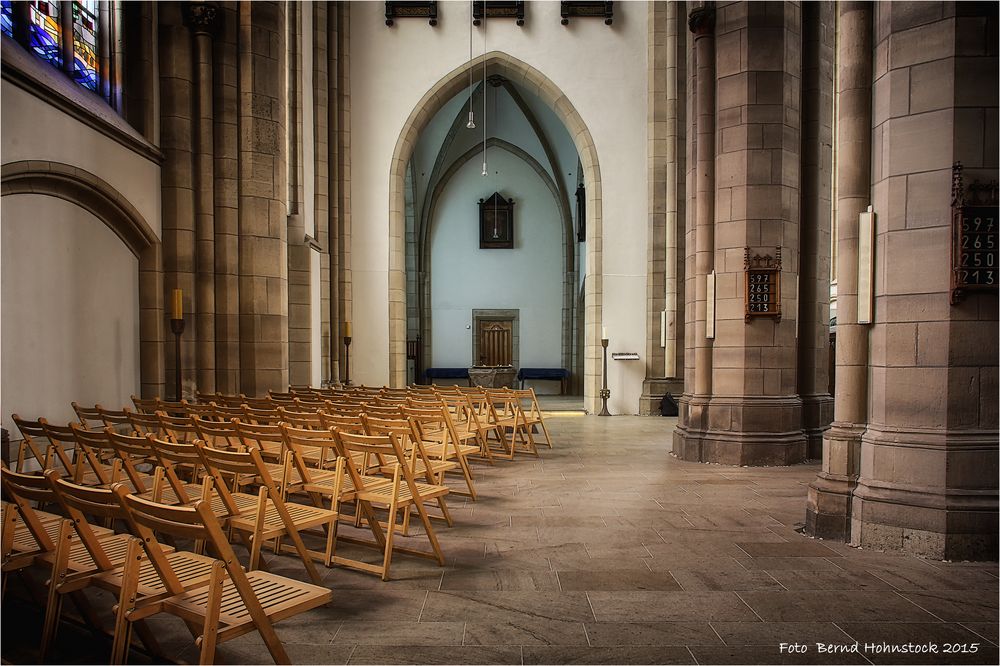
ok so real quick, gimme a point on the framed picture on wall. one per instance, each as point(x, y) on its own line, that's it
point(496, 223)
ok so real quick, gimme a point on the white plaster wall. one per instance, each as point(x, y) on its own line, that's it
point(528, 278)
point(33, 130)
point(70, 329)
point(601, 70)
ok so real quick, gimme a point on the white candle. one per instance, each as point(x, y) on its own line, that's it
point(604, 333)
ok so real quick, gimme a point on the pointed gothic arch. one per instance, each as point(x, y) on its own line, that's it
point(522, 74)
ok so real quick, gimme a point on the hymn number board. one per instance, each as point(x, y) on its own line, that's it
point(763, 285)
point(975, 246)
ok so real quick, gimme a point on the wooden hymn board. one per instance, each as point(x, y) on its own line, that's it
point(762, 275)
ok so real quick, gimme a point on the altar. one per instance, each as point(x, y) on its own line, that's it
point(492, 377)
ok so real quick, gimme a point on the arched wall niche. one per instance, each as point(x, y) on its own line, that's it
point(522, 74)
point(567, 233)
point(95, 195)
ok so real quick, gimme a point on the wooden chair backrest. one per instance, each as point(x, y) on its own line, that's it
point(178, 408)
point(90, 417)
point(382, 411)
point(229, 400)
point(266, 437)
point(81, 501)
point(205, 398)
point(424, 403)
point(345, 422)
point(146, 405)
point(21, 490)
point(63, 441)
point(225, 412)
point(92, 445)
point(143, 423)
point(34, 442)
point(297, 440)
point(178, 428)
point(258, 403)
point(219, 434)
point(203, 410)
point(385, 448)
point(261, 415)
point(300, 419)
point(116, 418)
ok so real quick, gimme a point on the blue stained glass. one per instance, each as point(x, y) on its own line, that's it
point(7, 18)
point(45, 31)
point(85, 61)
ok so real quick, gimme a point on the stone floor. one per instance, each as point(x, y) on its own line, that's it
point(608, 550)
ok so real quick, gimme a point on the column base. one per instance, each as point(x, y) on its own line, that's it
point(828, 504)
point(742, 431)
point(817, 413)
point(928, 514)
point(653, 390)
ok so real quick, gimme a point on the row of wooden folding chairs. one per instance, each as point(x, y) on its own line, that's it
point(287, 467)
point(214, 596)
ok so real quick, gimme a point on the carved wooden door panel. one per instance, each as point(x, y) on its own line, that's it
point(496, 342)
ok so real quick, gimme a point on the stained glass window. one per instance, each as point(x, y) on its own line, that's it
point(45, 30)
point(85, 43)
point(7, 18)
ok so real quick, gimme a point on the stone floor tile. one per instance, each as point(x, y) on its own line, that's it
point(615, 580)
point(988, 630)
point(377, 604)
point(485, 605)
point(834, 606)
point(370, 654)
point(793, 579)
point(669, 606)
point(773, 634)
point(608, 634)
point(801, 548)
point(936, 579)
point(770, 655)
point(726, 580)
point(525, 630)
point(511, 580)
point(787, 563)
point(608, 655)
point(957, 606)
point(381, 632)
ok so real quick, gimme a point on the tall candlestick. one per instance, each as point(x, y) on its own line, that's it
point(178, 311)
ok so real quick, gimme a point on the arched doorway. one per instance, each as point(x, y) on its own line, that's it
point(520, 74)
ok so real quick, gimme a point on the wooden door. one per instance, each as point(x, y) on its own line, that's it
point(496, 342)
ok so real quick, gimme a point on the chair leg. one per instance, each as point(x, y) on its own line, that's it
point(53, 606)
point(390, 531)
point(431, 536)
point(210, 629)
point(126, 602)
point(467, 473)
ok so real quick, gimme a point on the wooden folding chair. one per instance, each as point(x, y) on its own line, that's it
point(442, 441)
point(224, 608)
point(468, 426)
point(109, 566)
point(224, 412)
point(403, 492)
point(531, 411)
point(431, 469)
point(505, 413)
point(203, 410)
point(271, 517)
point(94, 450)
point(178, 428)
point(261, 415)
point(35, 445)
point(217, 434)
point(49, 543)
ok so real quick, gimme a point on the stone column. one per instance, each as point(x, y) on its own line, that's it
point(321, 100)
point(828, 509)
point(818, 25)
point(201, 17)
point(928, 477)
point(226, 204)
point(701, 258)
point(745, 409)
point(177, 182)
point(664, 318)
point(263, 261)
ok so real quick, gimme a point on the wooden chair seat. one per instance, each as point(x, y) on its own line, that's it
point(382, 494)
point(279, 597)
point(327, 485)
point(304, 517)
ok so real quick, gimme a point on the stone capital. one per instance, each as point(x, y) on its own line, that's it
point(701, 20)
point(202, 17)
